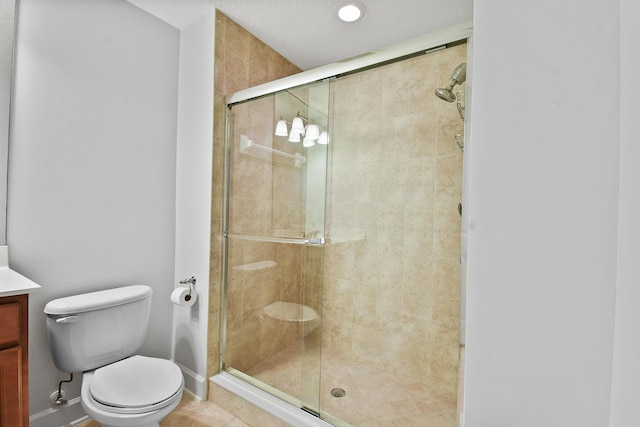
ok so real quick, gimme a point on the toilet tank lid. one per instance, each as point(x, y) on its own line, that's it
point(97, 300)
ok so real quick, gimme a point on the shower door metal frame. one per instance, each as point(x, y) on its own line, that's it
point(227, 235)
point(397, 52)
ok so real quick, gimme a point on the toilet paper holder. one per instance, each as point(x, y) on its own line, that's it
point(191, 282)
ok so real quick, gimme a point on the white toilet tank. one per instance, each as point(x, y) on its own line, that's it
point(91, 330)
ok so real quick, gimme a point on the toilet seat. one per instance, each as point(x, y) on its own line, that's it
point(136, 385)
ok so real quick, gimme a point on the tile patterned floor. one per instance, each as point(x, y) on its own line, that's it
point(193, 413)
point(373, 398)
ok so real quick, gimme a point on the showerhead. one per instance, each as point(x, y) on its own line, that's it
point(458, 77)
point(445, 93)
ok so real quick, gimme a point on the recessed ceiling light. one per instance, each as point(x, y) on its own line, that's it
point(350, 11)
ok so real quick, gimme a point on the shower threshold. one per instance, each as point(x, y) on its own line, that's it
point(267, 402)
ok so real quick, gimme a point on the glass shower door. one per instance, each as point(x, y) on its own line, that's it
point(378, 306)
point(274, 242)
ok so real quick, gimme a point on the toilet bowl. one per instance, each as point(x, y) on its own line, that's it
point(98, 334)
point(137, 391)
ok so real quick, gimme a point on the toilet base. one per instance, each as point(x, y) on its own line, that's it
point(105, 422)
point(141, 425)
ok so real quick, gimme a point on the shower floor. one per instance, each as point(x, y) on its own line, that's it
point(373, 398)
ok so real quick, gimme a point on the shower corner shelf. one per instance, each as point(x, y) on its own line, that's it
point(246, 143)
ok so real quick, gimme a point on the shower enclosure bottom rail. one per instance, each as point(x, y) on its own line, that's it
point(278, 408)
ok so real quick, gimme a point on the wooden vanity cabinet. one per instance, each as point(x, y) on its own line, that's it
point(14, 357)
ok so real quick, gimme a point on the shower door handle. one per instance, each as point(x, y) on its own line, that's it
point(317, 241)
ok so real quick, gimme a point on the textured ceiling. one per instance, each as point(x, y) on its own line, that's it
point(307, 32)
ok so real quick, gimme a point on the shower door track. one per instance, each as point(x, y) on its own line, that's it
point(275, 406)
point(412, 47)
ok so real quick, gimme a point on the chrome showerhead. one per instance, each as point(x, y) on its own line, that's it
point(445, 93)
point(458, 77)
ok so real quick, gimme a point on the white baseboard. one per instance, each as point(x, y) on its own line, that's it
point(69, 415)
point(194, 383)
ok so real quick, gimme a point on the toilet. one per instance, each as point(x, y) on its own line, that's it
point(98, 333)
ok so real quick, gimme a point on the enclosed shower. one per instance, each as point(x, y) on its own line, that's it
point(342, 244)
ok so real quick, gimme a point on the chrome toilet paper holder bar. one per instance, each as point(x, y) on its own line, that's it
point(191, 282)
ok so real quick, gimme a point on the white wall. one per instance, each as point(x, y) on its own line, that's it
point(543, 162)
point(193, 196)
point(7, 22)
point(92, 163)
point(626, 369)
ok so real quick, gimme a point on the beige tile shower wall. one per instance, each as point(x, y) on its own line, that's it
point(289, 180)
point(311, 293)
point(253, 337)
point(260, 273)
point(241, 61)
point(391, 292)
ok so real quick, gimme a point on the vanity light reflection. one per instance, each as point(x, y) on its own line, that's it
point(309, 134)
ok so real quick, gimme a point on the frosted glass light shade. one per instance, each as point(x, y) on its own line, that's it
point(308, 142)
point(297, 126)
point(323, 138)
point(294, 136)
point(313, 132)
point(281, 128)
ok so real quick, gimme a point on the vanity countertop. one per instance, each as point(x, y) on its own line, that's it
point(11, 282)
point(14, 283)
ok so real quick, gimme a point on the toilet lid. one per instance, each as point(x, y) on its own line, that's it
point(137, 381)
